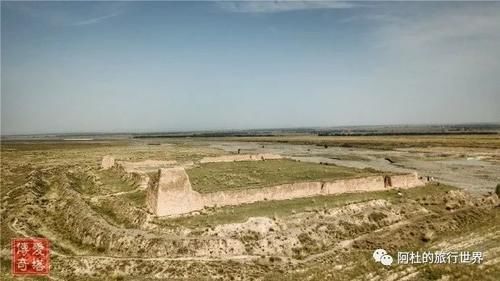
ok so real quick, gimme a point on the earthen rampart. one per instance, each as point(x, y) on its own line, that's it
point(241, 157)
point(172, 193)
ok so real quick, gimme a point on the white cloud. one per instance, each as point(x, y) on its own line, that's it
point(442, 29)
point(281, 6)
point(95, 20)
point(57, 14)
point(445, 61)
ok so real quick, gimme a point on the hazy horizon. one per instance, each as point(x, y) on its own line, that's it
point(76, 67)
point(325, 128)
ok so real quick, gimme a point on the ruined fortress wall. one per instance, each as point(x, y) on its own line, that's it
point(241, 157)
point(144, 181)
point(174, 194)
point(373, 183)
point(304, 189)
point(138, 171)
point(152, 194)
point(280, 192)
point(406, 181)
point(145, 166)
point(107, 162)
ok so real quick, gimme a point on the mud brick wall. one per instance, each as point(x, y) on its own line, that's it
point(241, 157)
point(172, 193)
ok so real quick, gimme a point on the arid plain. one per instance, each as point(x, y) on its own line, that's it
point(101, 227)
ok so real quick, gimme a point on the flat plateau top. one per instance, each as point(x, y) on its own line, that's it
point(211, 177)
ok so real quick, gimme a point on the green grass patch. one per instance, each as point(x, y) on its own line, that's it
point(212, 177)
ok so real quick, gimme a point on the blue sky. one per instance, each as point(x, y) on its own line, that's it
point(158, 66)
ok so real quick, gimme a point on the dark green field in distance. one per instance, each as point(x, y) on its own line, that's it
point(212, 177)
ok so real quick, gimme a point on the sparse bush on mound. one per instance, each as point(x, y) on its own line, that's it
point(497, 190)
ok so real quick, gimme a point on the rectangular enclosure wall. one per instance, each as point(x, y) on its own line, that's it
point(172, 194)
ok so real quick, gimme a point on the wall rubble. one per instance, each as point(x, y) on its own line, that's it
point(145, 166)
point(107, 162)
point(138, 171)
